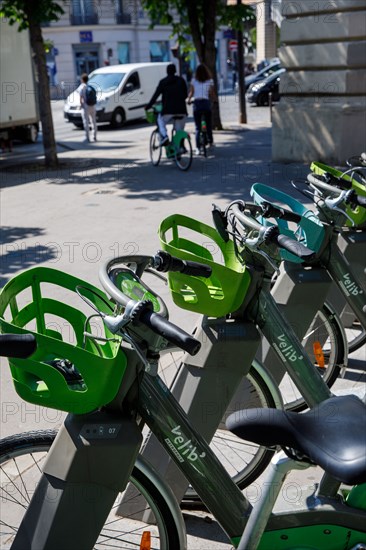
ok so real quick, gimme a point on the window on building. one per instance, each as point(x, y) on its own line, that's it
point(123, 50)
point(86, 58)
point(124, 9)
point(84, 12)
point(159, 50)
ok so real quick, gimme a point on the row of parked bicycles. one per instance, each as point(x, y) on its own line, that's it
point(156, 416)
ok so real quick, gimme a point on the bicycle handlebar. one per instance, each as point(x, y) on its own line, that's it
point(143, 311)
point(17, 345)
point(164, 262)
point(271, 211)
point(272, 234)
point(325, 186)
point(287, 243)
point(355, 200)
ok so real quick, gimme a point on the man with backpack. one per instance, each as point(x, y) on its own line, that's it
point(88, 101)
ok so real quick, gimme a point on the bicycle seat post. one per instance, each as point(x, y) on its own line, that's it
point(277, 472)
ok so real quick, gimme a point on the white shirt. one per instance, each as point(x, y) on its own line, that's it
point(201, 90)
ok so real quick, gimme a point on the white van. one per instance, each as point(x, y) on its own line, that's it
point(122, 92)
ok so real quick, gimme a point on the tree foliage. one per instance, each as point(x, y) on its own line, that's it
point(31, 14)
point(198, 19)
point(16, 11)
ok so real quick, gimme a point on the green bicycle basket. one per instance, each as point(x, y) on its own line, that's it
point(28, 304)
point(309, 230)
point(358, 215)
point(152, 114)
point(227, 286)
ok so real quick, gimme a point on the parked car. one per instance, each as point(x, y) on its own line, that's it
point(259, 91)
point(261, 75)
point(122, 92)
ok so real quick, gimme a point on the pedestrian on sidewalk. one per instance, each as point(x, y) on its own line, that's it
point(88, 101)
point(202, 89)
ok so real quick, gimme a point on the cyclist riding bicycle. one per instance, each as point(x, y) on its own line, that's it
point(203, 91)
point(173, 90)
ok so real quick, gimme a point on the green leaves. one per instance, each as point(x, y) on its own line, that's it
point(24, 11)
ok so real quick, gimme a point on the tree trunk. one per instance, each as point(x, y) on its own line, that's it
point(44, 98)
point(204, 42)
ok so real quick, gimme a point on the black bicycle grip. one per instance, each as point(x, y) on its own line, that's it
point(166, 262)
point(271, 211)
point(337, 181)
point(296, 248)
point(170, 332)
point(17, 345)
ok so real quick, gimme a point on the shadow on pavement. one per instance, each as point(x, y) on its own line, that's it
point(16, 255)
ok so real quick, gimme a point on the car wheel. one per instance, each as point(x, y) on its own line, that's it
point(32, 133)
point(118, 118)
point(262, 100)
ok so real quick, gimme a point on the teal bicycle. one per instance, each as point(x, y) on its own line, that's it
point(178, 149)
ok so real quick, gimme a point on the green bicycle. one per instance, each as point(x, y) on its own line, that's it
point(179, 147)
point(110, 393)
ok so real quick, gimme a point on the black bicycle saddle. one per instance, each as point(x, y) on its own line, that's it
point(332, 434)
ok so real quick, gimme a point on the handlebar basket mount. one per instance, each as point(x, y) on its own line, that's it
point(227, 286)
point(28, 305)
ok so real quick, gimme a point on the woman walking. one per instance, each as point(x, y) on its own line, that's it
point(203, 91)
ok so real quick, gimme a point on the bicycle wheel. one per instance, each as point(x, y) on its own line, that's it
point(243, 460)
point(155, 148)
point(183, 153)
point(203, 144)
point(21, 459)
point(324, 344)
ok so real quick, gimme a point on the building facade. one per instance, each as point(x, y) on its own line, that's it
point(96, 33)
point(322, 112)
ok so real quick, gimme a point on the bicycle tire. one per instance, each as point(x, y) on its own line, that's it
point(155, 148)
point(183, 154)
point(244, 461)
point(21, 457)
point(327, 330)
point(202, 144)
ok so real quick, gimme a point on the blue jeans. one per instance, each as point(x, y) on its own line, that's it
point(202, 107)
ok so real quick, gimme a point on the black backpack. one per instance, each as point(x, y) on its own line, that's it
point(90, 95)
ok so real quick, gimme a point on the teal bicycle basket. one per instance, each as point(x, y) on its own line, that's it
point(309, 231)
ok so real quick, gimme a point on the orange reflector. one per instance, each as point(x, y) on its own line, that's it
point(319, 355)
point(145, 541)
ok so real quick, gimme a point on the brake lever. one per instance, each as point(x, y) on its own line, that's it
point(332, 204)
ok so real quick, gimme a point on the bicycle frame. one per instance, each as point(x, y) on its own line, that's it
point(352, 245)
point(343, 275)
point(92, 458)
